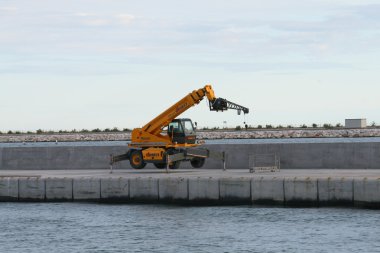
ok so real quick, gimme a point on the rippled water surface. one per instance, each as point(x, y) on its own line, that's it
point(78, 227)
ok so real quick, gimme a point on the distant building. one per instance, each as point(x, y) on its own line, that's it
point(355, 123)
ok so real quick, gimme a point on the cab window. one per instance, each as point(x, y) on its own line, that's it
point(175, 127)
point(188, 127)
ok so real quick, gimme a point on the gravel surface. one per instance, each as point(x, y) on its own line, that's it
point(205, 135)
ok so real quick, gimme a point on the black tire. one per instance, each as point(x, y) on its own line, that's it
point(160, 165)
point(174, 165)
point(198, 162)
point(136, 160)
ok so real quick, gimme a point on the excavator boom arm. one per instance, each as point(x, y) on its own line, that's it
point(216, 104)
point(155, 126)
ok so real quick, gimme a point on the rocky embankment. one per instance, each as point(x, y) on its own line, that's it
point(219, 134)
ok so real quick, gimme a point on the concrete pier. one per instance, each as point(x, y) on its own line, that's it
point(288, 187)
point(349, 155)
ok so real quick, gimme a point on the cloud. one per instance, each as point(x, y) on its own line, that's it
point(125, 19)
point(94, 19)
point(97, 22)
point(84, 14)
point(8, 9)
point(329, 34)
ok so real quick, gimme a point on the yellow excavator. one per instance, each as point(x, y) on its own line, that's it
point(166, 135)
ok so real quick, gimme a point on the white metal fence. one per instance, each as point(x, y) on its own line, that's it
point(264, 162)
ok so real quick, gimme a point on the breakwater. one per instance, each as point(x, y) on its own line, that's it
point(364, 154)
point(288, 187)
point(201, 134)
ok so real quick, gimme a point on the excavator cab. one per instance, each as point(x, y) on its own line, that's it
point(182, 131)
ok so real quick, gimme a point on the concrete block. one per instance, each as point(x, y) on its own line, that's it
point(301, 191)
point(59, 157)
point(31, 188)
point(8, 189)
point(114, 189)
point(59, 189)
point(334, 190)
point(1, 159)
point(86, 189)
point(367, 192)
point(267, 190)
point(26, 158)
point(91, 157)
point(143, 189)
point(235, 190)
point(204, 190)
point(173, 189)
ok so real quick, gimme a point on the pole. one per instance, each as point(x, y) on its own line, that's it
point(167, 163)
point(224, 161)
point(111, 163)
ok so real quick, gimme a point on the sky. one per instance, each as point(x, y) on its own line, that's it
point(81, 64)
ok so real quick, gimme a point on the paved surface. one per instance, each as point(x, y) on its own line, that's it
point(193, 173)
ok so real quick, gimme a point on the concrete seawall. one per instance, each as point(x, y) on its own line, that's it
point(289, 188)
point(359, 155)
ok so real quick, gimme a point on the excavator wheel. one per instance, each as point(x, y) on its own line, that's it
point(174, 165)
point(160, 165)
point(136, 160)
point(198, 162)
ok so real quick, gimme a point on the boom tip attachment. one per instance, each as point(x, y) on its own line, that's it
point(221, 104)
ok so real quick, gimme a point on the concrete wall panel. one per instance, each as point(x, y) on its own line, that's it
point(301, 155)
point(293, 155)
point(333, 190)
point(301, 191)
point(173, 189)
point(115, 188)
point(59, 189)
point(367, 192)
point(31, 188)
point(25, 158)
point(204, 190)
point(1, 159)
point(86, 189)
point(8, 188)
point(91, 157)
point(235, 190)
point(237, 154)
point(374, 156)
point(60, 157)
point(266, 190)
point(143, 189)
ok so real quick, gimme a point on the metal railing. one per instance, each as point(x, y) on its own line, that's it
point(264, 162)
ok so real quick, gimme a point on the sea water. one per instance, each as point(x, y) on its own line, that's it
point(84, 227)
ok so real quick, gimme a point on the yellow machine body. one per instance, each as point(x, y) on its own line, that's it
point(166, 135)
point(153, 154)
